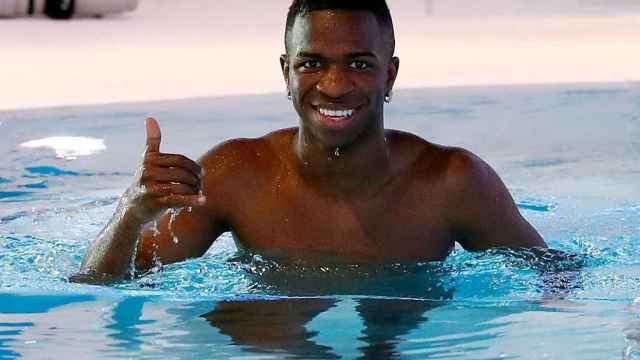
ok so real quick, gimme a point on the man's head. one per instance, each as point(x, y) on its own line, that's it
point(339, 67)
point(378, 8)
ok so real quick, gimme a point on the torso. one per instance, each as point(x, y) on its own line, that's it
point(276, 213)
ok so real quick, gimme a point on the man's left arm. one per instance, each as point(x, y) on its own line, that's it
point(486, 215)
point(489, 218)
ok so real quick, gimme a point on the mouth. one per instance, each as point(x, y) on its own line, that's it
point(335, 118)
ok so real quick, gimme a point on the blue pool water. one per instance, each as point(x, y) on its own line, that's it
point(569, 154)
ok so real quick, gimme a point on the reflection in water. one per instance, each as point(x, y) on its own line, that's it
point(126, 324)
point(273, 325)
point(280, 325)
point(319, 327)
point(392, 304)
point(386, 320)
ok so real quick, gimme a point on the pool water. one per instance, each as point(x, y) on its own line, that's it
point(568, 153)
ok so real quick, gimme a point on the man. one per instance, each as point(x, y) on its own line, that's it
point(339, 188)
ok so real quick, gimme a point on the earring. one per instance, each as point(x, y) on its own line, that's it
point(388, 97)
point(289, 95)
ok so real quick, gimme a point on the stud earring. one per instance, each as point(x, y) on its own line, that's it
point(388, 97)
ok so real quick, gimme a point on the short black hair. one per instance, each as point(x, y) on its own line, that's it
point(378, 7)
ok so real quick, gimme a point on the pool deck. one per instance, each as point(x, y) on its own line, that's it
point(168, 50)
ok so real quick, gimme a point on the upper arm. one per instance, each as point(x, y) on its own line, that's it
point(485, 212)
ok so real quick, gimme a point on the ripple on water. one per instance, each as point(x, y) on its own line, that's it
point(14, 216)
point(535, 163)
point(594, 92)
point(14, 194)
point(45, 170)
point(52, 171)
point(536, 205)
point(29, 262)
point(38, 185)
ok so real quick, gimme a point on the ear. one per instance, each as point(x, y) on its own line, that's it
point(392, 72)
point(284, 65)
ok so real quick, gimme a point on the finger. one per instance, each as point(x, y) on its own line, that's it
point(174, 160)
point(153, 135)
point(171, 175)
point(178, 201)
point(166, 189)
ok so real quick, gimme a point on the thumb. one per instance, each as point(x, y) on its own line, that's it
point(153, 135)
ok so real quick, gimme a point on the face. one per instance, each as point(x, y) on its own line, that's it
point(338, 69)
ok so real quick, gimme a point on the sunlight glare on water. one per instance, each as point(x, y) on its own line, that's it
point(68, 147)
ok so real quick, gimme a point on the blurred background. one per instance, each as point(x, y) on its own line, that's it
point(168, 49)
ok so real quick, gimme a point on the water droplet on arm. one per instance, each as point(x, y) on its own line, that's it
point(154, 228)
point(173, 213)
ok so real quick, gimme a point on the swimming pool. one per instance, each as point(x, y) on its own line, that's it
point(569, 154)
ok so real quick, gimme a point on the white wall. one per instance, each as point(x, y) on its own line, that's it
point(174, 49)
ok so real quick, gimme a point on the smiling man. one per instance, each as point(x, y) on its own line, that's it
point(338, 188)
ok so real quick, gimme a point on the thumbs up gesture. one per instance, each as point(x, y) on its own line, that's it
point(163, 180)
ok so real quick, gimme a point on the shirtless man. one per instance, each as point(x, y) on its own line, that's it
point(338, 188)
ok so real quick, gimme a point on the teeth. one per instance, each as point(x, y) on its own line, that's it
point(336, 113)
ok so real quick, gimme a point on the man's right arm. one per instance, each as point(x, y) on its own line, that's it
point(163, 182)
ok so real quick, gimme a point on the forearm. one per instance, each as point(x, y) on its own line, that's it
point(110, 256)
point(163, 181)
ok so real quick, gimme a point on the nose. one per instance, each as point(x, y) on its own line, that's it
point(335, 83)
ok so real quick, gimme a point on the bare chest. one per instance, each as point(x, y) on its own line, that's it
point(398, 225)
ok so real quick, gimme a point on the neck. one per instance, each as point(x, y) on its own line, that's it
point(354, 170)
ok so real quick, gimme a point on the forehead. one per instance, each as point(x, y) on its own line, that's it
point(326, 30)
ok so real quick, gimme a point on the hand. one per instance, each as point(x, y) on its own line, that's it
point(163, 181)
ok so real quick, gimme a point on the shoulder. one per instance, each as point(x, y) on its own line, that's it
point(464, 169)
point(237, 159)
point(454, 166)
point(241, 152)
point(457, 173)
point(237, 169)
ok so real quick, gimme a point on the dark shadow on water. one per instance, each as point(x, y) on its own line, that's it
point(276, 326)
point(391, 302)
point(280, 325)
point(387, 320)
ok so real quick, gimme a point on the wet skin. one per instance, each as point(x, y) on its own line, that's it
point(330, 190)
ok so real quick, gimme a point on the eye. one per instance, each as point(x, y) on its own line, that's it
point(360, 65)
point(310, 64)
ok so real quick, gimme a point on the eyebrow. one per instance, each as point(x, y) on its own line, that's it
point(362, 54)
point(306, 54)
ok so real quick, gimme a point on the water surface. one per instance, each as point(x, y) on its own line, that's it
point(569, 154)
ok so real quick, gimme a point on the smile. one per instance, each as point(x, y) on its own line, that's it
point(336, 115)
